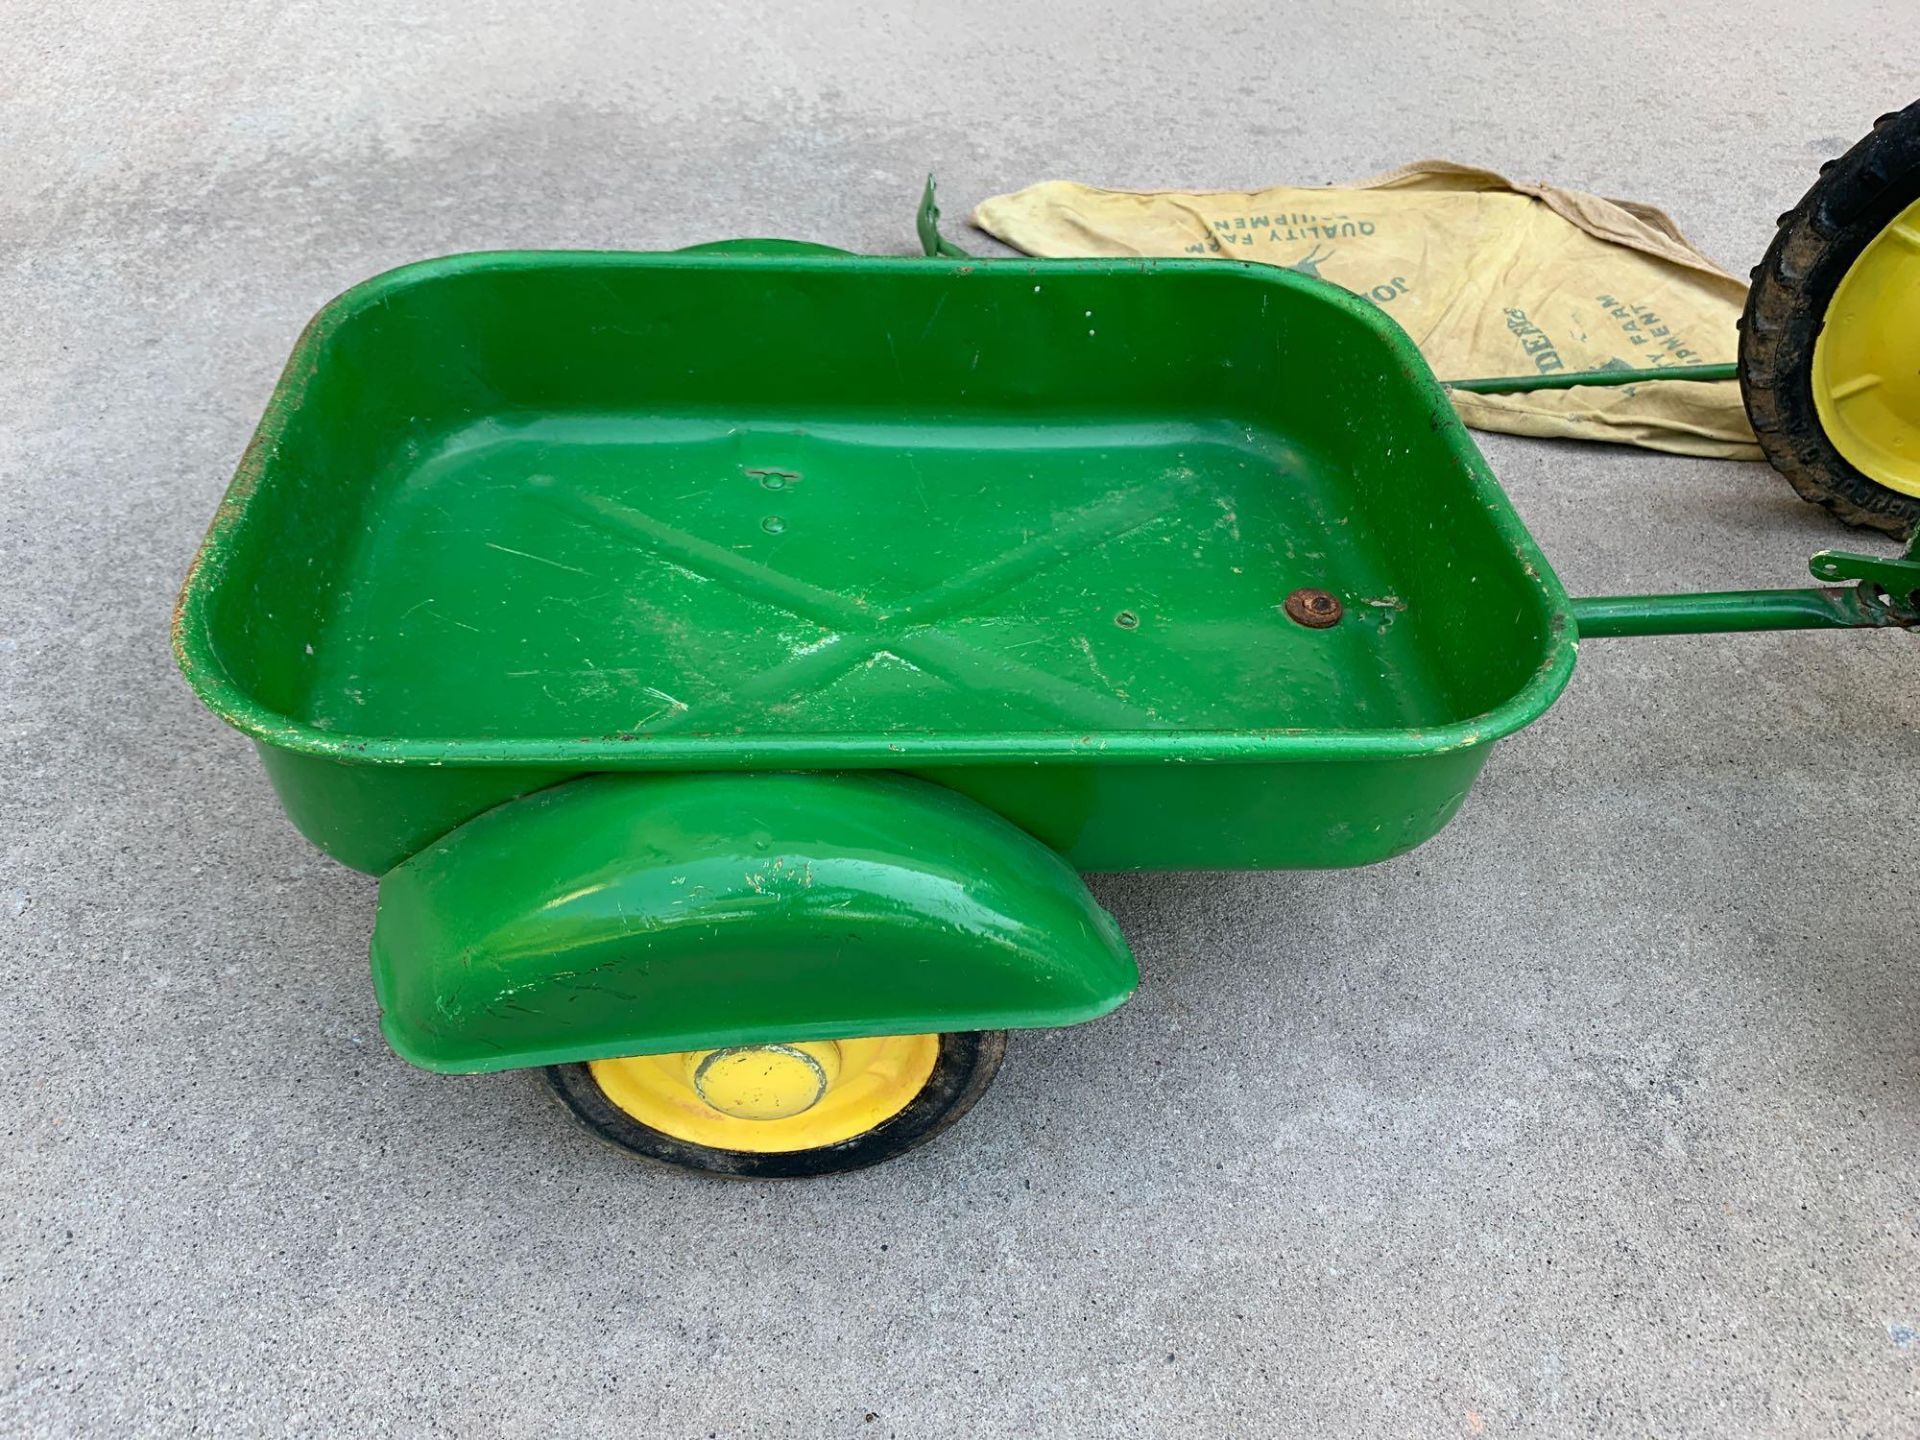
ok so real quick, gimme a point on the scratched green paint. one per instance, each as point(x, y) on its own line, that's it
point(1024, 529)
point(624, 915)
point(717, 575)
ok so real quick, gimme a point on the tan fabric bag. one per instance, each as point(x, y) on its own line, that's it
point(1488, 277)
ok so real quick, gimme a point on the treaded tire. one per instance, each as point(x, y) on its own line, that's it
point(1817, 243)
point(967, 1062)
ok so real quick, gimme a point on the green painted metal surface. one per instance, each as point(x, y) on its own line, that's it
point(1731, 611)
point(927, 224)
point(1174, 815)
point(1574, 379)
point(624, 915)
point(1897, 577)
point(1024, 528)
point(372, 816)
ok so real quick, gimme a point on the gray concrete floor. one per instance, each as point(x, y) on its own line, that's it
point(1598, 1115)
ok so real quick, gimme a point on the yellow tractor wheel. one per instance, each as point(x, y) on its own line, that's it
point(782, 1110)
point(1830, 341)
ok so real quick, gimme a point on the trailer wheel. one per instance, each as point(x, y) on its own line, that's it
point(782, 1111)
point(1830, 341)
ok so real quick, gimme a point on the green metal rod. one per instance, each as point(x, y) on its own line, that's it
point(1568, 379)
point(1730, 611)
point(932, 242)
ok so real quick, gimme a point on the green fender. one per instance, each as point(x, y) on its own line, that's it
point(630, 915)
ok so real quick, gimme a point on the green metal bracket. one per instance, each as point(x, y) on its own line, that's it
point(1569, 379)
point(932, 242)
point(1897, 577)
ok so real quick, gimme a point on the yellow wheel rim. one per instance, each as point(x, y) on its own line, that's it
point(770, 1099)
point(1866, 363)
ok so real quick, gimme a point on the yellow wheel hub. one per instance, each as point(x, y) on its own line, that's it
point(772, 1098)
point(1866, 363)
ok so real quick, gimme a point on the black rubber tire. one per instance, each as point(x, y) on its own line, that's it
point(1817, 243)
point(965, 1066)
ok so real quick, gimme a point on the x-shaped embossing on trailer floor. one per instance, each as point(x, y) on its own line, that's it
point(907, 631)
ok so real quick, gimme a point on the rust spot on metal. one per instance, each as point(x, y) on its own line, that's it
point(1315, 609)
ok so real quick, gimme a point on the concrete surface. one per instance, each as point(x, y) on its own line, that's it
point(1599, 1115)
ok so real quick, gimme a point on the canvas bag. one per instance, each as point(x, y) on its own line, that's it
point(1490, 278)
